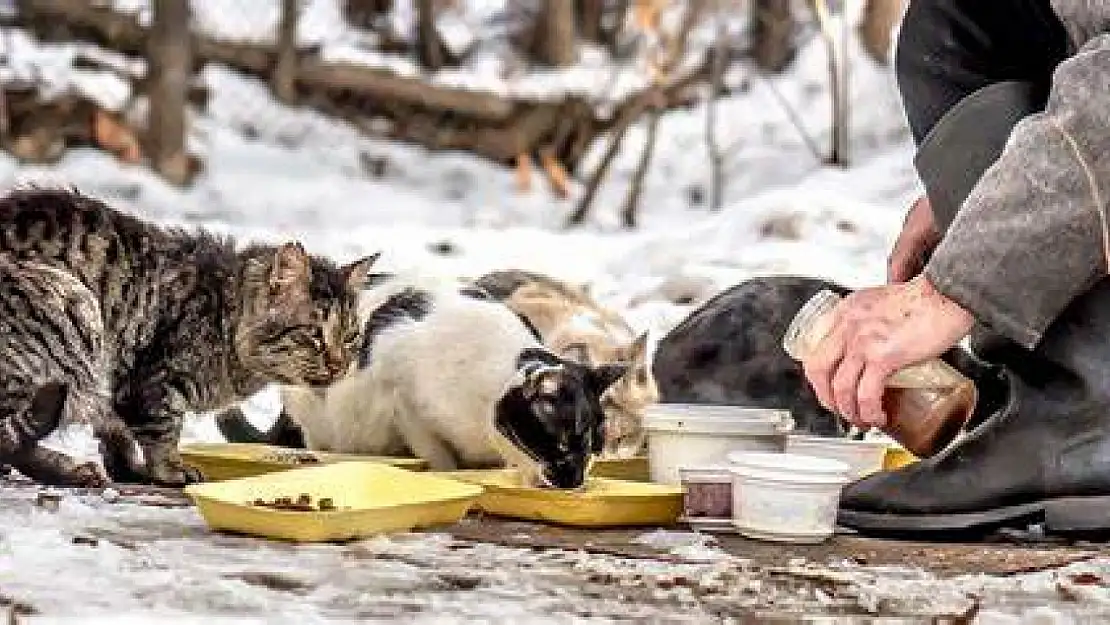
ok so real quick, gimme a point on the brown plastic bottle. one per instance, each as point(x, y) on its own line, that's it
point(927, 404)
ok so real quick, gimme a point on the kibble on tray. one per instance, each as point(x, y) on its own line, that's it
point(302, 504)
point(291, 457)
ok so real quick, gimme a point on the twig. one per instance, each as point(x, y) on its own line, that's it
point(654, 97)
point(582, 210)
point(636, 186)
point(845, 86)
point(821, 10)
point(794, 119)
point(716, 158)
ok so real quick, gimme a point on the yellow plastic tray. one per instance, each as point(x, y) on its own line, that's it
point(602, 502)
point(896, 458)
point(633, 469)
point(371, 498)
point(229, 461)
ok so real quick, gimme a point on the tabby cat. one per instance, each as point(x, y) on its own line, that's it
point(574, 325)
point(125, 325)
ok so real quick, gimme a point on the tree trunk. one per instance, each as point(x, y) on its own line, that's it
point(284, 77)
point(170, 59)
point(772, 34)
point(590, 14)
point(429, 49)
point(554, 34)
point(879, 20)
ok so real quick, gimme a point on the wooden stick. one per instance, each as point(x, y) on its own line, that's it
point(556, 174)
point(524, 172)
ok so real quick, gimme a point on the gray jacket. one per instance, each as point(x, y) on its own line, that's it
point(1033, 233)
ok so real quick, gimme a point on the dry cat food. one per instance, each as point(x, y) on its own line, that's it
point(708, 493)
point(303, 503)
point(291, 457)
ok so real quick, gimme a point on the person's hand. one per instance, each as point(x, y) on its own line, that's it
point(874, 333)
point(918, 239)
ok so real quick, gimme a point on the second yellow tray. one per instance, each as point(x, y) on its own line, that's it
point(603, 502)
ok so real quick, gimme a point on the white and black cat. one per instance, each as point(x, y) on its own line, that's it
point(454, 379)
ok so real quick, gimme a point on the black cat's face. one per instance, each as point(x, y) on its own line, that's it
point(300, 323)
point(553, 417)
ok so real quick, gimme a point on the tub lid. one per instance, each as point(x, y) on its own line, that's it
point(788, 462)
point(699, 472)
point(717, 419)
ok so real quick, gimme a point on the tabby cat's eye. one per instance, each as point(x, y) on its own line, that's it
point(318, 338)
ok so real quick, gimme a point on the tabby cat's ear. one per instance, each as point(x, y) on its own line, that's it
point(357, 272)
point(290, 273)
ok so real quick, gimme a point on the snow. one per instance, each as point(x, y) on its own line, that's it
point(275, 173)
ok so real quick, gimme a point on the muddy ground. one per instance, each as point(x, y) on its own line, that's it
point(147, 556)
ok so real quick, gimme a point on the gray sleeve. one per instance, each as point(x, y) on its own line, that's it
point(1032, 235)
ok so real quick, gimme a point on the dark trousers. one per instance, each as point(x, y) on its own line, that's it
point(948, 49)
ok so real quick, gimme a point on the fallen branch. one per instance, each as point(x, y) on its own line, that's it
point(436, 117)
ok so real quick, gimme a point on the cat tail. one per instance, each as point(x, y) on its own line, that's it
point(28, 420)
point(235, 427)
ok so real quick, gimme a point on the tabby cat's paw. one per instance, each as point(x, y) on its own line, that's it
point(87, 475)
point(174, 474)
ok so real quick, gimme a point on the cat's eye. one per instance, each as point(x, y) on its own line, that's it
point(317, 337)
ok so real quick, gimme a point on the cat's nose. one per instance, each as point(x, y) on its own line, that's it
point(335, 362)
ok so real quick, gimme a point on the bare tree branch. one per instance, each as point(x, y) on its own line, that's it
point(636, 185)
point(836, 85)
point(655, 99)
point(716, 86)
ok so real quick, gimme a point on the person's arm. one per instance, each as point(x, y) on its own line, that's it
point(1033, 235)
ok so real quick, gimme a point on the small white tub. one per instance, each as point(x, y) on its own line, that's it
point(695, 435)
point(784, 497)
point(863, 457)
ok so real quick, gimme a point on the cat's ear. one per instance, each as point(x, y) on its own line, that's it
point(577, 352)
point(637, 353)
point(290, 272)
point(356, 273)
point(603, 376)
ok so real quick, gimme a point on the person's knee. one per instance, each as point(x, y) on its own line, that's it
point(934, 53)
point(948, 49)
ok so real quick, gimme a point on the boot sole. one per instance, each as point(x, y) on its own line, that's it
point(1078, 515)
point(985, 521)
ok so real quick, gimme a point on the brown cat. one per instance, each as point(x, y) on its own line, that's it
point(574, 325)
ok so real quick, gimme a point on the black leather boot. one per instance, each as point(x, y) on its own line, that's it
point(1045, 455)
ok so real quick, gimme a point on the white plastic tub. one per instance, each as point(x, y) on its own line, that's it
point(863, 457)
point(784, 497)
point(688, 435)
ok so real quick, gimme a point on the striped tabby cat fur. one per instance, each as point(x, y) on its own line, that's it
point(112, 321)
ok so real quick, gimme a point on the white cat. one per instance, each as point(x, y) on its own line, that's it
point(457, 381)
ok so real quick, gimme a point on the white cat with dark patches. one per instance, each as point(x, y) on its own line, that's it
point(459, 382)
